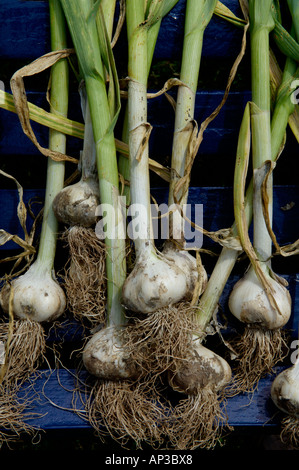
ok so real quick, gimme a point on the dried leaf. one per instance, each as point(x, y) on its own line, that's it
point(287, 250)
point(170, 83)
point(20, 99)
point(5, 237)
point(21, 208)
point(197, 137)
point(147, 129)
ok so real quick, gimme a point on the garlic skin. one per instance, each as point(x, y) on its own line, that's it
point(249, 303)
point(202, 368)
point(36, 296)
point(105, 358)
point(285, 390)
point(76, 204)
point(154, 283)
point(187, 263)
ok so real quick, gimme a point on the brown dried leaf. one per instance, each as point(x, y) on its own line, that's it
point(20, 99)
point(287, 250)
point(147, 129)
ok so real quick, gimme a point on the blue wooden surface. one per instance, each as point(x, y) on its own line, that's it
point(220, 137)
point(58, 402)
point(24, 31)
point(217, 210)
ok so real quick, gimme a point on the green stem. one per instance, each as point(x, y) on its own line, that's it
point(124, 162)
point(262, 23)
point(108, 7)
point(197, 17)
point(284, 106)
point(108, 188)
point(209, 300)
point(83, 29)
point(57, 140)
point(294, 9)
point(137, 119)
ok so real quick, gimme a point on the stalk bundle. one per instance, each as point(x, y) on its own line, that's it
point(148, 310)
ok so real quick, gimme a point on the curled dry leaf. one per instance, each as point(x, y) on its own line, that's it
point(20, 99)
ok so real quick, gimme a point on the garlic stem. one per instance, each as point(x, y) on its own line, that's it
point(86, 40)
point(139, 173)
point(37, 294)
point(197, 17)
point(137, 123)
point(108, 8)
point(155, 280)
point(57, 140)
point(123, 161)
point(77, 203)
point(88, 157)
point(261, 149)
point(208, 303)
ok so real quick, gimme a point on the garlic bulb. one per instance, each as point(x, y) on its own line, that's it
point(76, 204)
point(249, 302)
point(36, 296)
point(104, 357)
point(187, 263)
point(202, 368)
point(285, 390)
point(154, 283)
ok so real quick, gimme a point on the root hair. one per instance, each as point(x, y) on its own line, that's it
point(290, 431)
point(197, 421)
point(24, 352)
point(258, 351)
point(127, 410)
point(85, 275)
point(158, 341)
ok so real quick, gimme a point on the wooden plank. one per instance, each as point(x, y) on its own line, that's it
point(54, 408)
point(223, 129)
point(24, 32)
point(58, 403)
point(13, 141)
point(217, 210)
